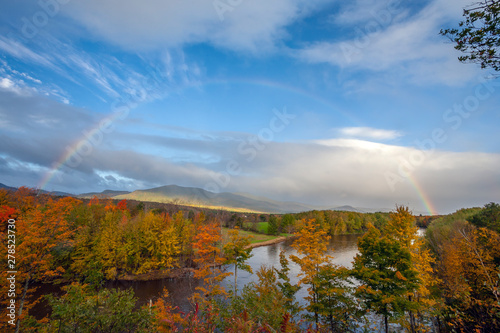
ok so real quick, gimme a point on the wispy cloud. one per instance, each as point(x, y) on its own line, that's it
point(18, 50)
point(105, 76)
point(154, 24)
point(411, 47)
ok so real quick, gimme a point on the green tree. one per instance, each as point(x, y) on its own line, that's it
point(261, 302)
point(83, 310)
point(237, 252)
point(335, 304)
point(478, 35)
point(488, 217)
point(386, 275)
point(287, 288)
point(287, 222)
point(273, 227)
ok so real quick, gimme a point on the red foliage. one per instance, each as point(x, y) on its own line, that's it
point(7, 213)
point(122, 205)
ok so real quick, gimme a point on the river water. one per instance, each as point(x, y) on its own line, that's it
point(342, 247)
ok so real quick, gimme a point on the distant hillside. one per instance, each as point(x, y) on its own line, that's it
point(102, 195)
point(192, 196)
point(347, 208)
point(56, 193)
point(7, 187)
point(197, 197)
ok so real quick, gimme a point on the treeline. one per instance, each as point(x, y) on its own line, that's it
point(334, 222)
point(445, 282)
point(466, 250)
point(341, 222)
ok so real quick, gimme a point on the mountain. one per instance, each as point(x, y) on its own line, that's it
point(102, 195)
point(7, 187)
point(347, 208)
point(55, 193)
point(192, 196)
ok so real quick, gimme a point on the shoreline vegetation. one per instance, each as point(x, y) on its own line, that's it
point(412, 282)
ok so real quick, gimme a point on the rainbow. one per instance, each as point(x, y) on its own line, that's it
point(73, 150)
point(422, 195)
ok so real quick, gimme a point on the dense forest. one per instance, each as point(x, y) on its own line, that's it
point(447, 281)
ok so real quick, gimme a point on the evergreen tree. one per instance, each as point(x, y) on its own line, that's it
point(386, 275)
point(273, 227)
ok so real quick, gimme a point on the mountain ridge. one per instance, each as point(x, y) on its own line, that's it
point(198, 197)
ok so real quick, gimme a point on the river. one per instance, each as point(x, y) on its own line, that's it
point(342, 247)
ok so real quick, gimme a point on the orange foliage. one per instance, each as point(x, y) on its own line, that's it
point(94, 201)
point(38, 231)
point(209, 260)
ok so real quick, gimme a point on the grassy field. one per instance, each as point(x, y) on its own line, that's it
point(261, 226)
point(255, 237)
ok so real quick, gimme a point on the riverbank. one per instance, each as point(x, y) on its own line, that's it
point(174, 273)
point(269, 242)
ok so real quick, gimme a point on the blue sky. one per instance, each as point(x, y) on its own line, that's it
point(323, 102)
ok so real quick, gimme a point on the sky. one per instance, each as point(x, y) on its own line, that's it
point(323, 102)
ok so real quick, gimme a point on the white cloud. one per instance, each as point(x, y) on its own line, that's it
point(412, 47)
point(362, 11)
point(20, 51)
point(370, 133)
point(324, 172)
point(245, 25)
point(8, 83)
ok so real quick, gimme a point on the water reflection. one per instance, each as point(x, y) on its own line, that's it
point(343, 248)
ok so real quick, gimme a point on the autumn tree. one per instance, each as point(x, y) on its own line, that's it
point(209, 261)
point(160, 242)
point(237, 252)
point(401, 227)
point(108, 245)
point(39, 231)
point(8, 217)
point(467, 265)
point(311, 245)
point(122, 205)
point(478, 35)
point(185, 230)
point(167, 316)
point(24, 199)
